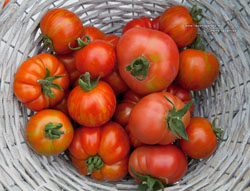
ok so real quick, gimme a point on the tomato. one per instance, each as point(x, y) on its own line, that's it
point(93, 33)
point(159, 118)
point(49, 132)
point(154, 166)
point(134, 142)
point(112, 39)
point(156, 23)
point(40, 82)
point(68, 61)
point(61, 27)
point(101, 151)
point(97, 58)
point(62, 105)
point(198, 69)
point(138, 22)
point(181, 93)
point(178, 23)
point(131, 97)
point(91, 103)
point(202, 139)
point(148, 60)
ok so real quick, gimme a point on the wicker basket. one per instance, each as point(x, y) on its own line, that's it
point(224, 28)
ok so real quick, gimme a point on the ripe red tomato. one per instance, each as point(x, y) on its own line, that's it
point(134, 142)
point(101, 151)
point(202, 139)
point(68, 61)
point(178, 23)
point(154, 120)
point(62, 105)
point(93, 33)
point(154, 166)
point(181, 93)
point(148, 60)
point(40, 82)
point(138, 22)
point(91, 103)
point(198, 69)
point(49, 132)
point(61, 27)
point(156, 23)
point(97, 58)
point(112, 39)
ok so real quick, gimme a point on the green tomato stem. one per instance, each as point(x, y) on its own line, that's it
point(52, 130)
point(94, 163)
point(81, 43)
point(195, 13)
point(87, 84)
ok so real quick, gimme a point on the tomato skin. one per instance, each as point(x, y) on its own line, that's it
point(202, 140)
point(97, 58)
point(156, 23)
point(112, 39)
point(27, 88)
point(181, 93)
point(93, 108)
point(62, 27)
point(138, 22)
point(62, 105)
point(177, 22)
point(158, 48)
point(68, 61)
point(110, 142)
point(93, 33)
point(148, 118)
point(198, 69)
point(35, 132)
point(134, 142)
point(167, 163)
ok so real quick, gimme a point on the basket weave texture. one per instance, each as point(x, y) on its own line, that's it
point(226, 30)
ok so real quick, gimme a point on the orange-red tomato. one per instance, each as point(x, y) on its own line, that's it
point(202, 139)
point(198, 69)
point(101, 151)
point(61, 27)
point(156, 23)
point(138, 22)
point(62, 106)
point(93, 33)
point(49, 132)
point(40, 82)
point(112, 39)
point(134, 142)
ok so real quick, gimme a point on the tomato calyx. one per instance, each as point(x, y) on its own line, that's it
point(174, 121)
point(195, 13)
point(81, 43)
point(94, 163)
point(148, 182)
point(197, 44)
point(88, 85)
point(139, 67)
point(47, 84)
point(52, 130)
point(47, 42)
point(218, 131)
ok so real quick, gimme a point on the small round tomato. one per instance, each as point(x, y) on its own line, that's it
point(156, 23)
point(131, 97)
point(93, 33)
point(112, 39)
point(91, 103)
point(181, 93)
point(159, 118)
point(101, 151)
point(97, 58)
point(60, 27)
point(202, 139)
point(40, 82)
point(62, 105)
point(68, 61)
point(178, 23)
point(198, 69)
point(154, 166)
point(49, 132)
point(138, 22)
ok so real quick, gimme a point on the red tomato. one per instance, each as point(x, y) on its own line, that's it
point(97, 58)
point(101, 151)
point(49, 132)
point(202, 139)
point(112, 39)
point(91, 103)
point(61, 27)
point(156, 23)
point(93, 33)
point(68, 61)
point(62, 106)
point(131, 97)
point(154, 120)
point(181, 93)
point(157, 165)
point(178, 23)
point(198, 69)
point(148, 60)
point(139, 22)
point(134, 142)
point(40, 82)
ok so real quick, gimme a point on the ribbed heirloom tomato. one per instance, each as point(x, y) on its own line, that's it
point(91, 103)
point(41, 82)
point(101, 151)
point(49, 132)
point(148, 60)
